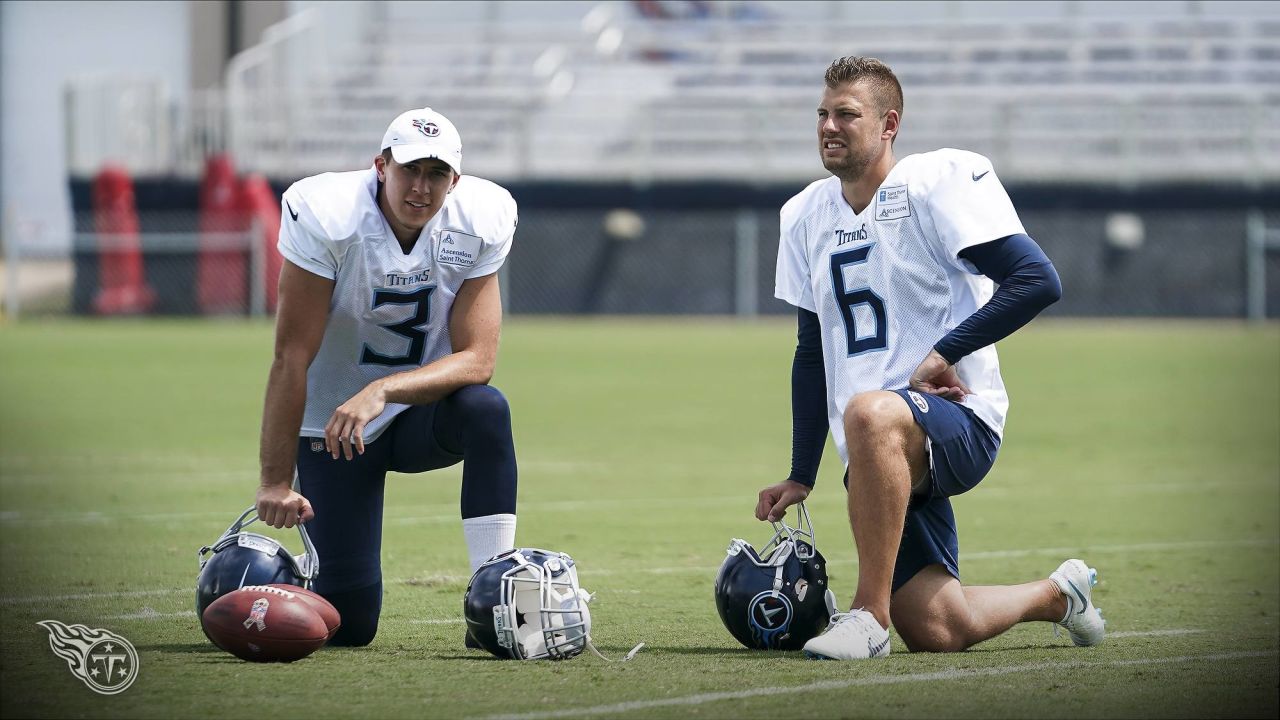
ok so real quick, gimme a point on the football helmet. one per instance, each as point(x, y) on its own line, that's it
point(526, 604)
point(240, 558)
point(776, 598)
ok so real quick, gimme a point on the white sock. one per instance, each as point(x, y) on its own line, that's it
point(488, 535)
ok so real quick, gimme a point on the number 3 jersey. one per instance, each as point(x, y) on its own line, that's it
point(390, 310)
point(888, 283)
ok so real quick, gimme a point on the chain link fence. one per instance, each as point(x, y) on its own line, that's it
point(1148, 264)
point(1167, 263)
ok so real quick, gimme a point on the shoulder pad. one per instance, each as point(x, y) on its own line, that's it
point(482, 208)
point(331, 205)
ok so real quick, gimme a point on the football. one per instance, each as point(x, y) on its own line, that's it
point(264, 624)
point(327, 612)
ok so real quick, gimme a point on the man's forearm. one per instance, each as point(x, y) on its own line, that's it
point(285, 402)
point(439, 379)
point(1028, 283)
point(808, 401)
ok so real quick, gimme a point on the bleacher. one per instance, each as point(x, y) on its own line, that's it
point(570, 91)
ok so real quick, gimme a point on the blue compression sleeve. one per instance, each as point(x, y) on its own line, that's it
point(1028, 283)
point(808, 400)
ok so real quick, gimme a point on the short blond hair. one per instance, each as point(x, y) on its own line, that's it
point(884, 84)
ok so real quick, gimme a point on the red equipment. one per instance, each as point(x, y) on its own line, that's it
point(122, 285)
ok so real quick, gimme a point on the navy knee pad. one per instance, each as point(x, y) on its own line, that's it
point(359, 610)
point(475, 413)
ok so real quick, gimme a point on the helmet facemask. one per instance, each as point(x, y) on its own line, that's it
point(542, 611)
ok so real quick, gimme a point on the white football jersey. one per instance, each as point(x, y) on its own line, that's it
point(390, 310)
point(888, 283)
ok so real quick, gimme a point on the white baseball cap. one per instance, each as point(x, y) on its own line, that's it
point(424, 133)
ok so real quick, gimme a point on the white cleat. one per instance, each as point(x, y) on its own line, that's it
point(1083, 620)
point(855, 635)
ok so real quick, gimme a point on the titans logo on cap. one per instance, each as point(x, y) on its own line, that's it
point(429, 129)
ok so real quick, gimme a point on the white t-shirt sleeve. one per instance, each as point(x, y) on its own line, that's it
point(792, 277)
point(496, 248)
point(969, 206)
point(301, 246)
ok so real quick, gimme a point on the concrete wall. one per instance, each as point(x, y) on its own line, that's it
point(42, 47)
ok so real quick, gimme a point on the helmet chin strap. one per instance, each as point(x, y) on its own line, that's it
point(591, 646)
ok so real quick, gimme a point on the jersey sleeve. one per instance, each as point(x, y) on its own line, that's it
point(497, 243)
point(791, 279)
point(969, 206)
point(301, 241)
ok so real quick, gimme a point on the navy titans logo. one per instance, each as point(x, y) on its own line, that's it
point(770, 616)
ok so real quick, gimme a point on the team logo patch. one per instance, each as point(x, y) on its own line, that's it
point(258, 614)
point(892, 203)
point(317, 446)
point(429, 129)
point(918, 400)
point(104, 661)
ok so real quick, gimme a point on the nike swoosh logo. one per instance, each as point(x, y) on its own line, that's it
point(294, 215)
point(1084, 604)
point(976, 178)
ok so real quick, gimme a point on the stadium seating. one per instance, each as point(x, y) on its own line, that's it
point(613, 95)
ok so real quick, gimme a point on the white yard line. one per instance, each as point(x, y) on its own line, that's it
point(827, 685)
point(147, 613)
point(1153, 633)
point(589, 572)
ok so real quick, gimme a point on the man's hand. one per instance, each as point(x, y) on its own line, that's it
point(280, 507)
point(936, 376)
point(346, 426)
point(775, 499)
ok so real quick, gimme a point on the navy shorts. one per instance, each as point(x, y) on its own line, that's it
point(347, 495)
point(961, 451)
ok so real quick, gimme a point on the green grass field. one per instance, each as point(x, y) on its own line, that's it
point(1152, 450)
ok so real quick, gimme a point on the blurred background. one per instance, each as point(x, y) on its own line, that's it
point(649, 143)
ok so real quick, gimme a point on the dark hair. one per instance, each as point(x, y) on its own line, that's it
point(884, 84)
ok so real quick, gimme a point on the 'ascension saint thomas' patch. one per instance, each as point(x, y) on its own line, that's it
point(458, 248)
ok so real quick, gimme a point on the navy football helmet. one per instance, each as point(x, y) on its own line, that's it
point(526, 604)
point(239, 558)
point(777, 598)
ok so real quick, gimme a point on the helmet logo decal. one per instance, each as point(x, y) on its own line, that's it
point(258, 615)
point(802, 589)
point(770, 616)
point(429, 129)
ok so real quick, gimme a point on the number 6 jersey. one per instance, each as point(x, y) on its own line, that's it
point(888, 283)
point(390, 310)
